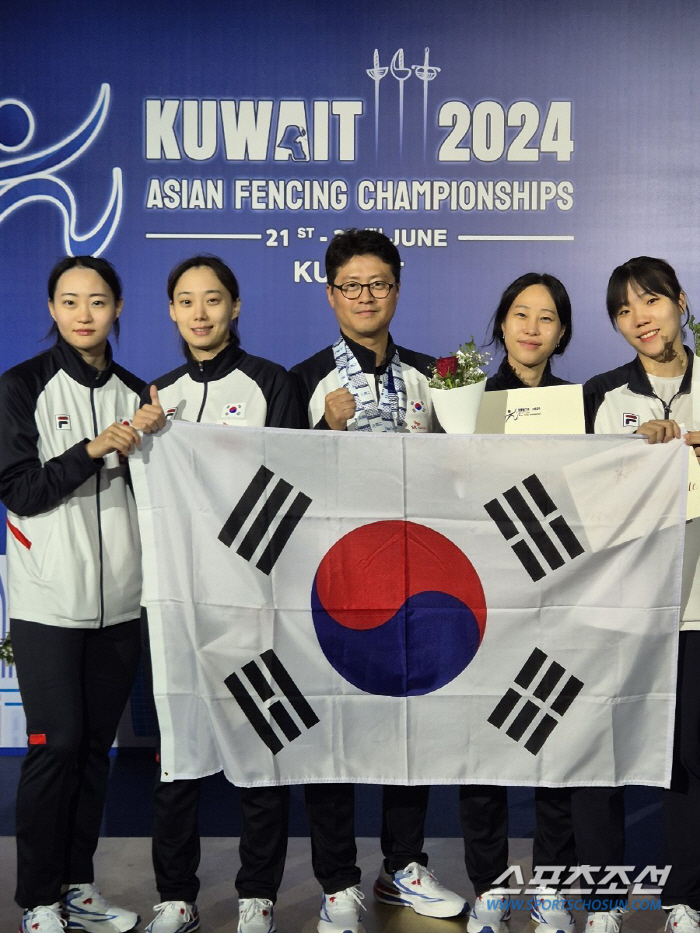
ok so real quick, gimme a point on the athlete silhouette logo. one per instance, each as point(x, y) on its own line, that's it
point(34, 177)
point(294, 139)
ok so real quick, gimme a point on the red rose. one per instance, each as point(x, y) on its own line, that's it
point(446, 366)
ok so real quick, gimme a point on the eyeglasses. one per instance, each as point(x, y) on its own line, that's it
point(353, 290)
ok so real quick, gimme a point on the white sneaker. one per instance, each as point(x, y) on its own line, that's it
point(604, 921)
point(490, 912)
point(414, 886)
point(340, 912)
point(255, 916)
point(550, 913)
point(174, 917)
point(43, 920)
point(682, 919)
point(86, 909)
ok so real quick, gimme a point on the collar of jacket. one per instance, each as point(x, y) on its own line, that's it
point(507, 378)
point(367, 358)
point(72, 362)
point(221, 365)
point(639, 381)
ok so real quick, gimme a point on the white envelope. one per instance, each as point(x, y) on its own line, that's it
point(541, 410)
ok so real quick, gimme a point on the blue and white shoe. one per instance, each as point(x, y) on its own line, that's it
point(174, 917)
point(550, 913)
point(414, 886)
point(340, 912)
point(490, 913)
point(255, 915)
point(86, 909)
point(43, 920)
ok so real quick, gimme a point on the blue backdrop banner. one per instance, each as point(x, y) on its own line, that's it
point(487, 139)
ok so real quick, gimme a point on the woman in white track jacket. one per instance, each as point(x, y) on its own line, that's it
point(68, 418)
point(657, 394)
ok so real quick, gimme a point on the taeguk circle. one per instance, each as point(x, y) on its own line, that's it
point(398, 609)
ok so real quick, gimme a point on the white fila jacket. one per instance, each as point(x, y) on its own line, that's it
point(317, 376)
point(73, 547)
point(618, 402)
point(233, 388)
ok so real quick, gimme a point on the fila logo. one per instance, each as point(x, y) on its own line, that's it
point(170, 413)
point(277, 711)
point(518, 521)
point(267, 504)
point(62, 422)
point(528, 708)
point(630, 420)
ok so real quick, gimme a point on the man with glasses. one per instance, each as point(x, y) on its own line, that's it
point(365, 382)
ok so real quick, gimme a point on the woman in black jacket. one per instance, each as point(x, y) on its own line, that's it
point(532, 323)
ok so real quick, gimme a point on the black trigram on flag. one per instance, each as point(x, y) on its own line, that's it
point(268, 505)
point(517, 521)
point(251, 706)
point(543, 708)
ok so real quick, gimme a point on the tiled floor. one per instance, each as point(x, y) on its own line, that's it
point(124, 873)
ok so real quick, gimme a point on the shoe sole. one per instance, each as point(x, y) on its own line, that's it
point(360, 929)
point(98, 926)
point(322, 928)
point(393, 897)
point(434, 910)
point(545, 928)
point(388, 894)
point(187, 929)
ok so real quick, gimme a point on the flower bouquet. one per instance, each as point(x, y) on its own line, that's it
point(462, 373)
point(6, 654)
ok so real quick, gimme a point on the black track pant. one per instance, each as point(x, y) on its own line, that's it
point(682, 801)
point(331, 812)
point(577, 826)
point(74, 685)
point(176, 847)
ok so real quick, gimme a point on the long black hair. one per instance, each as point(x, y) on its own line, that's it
point(560, 297)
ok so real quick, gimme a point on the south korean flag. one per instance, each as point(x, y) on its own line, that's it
point(412, 609)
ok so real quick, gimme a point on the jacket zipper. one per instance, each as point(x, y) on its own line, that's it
point(667, 405)
point(204, 395)
point(99, 512)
